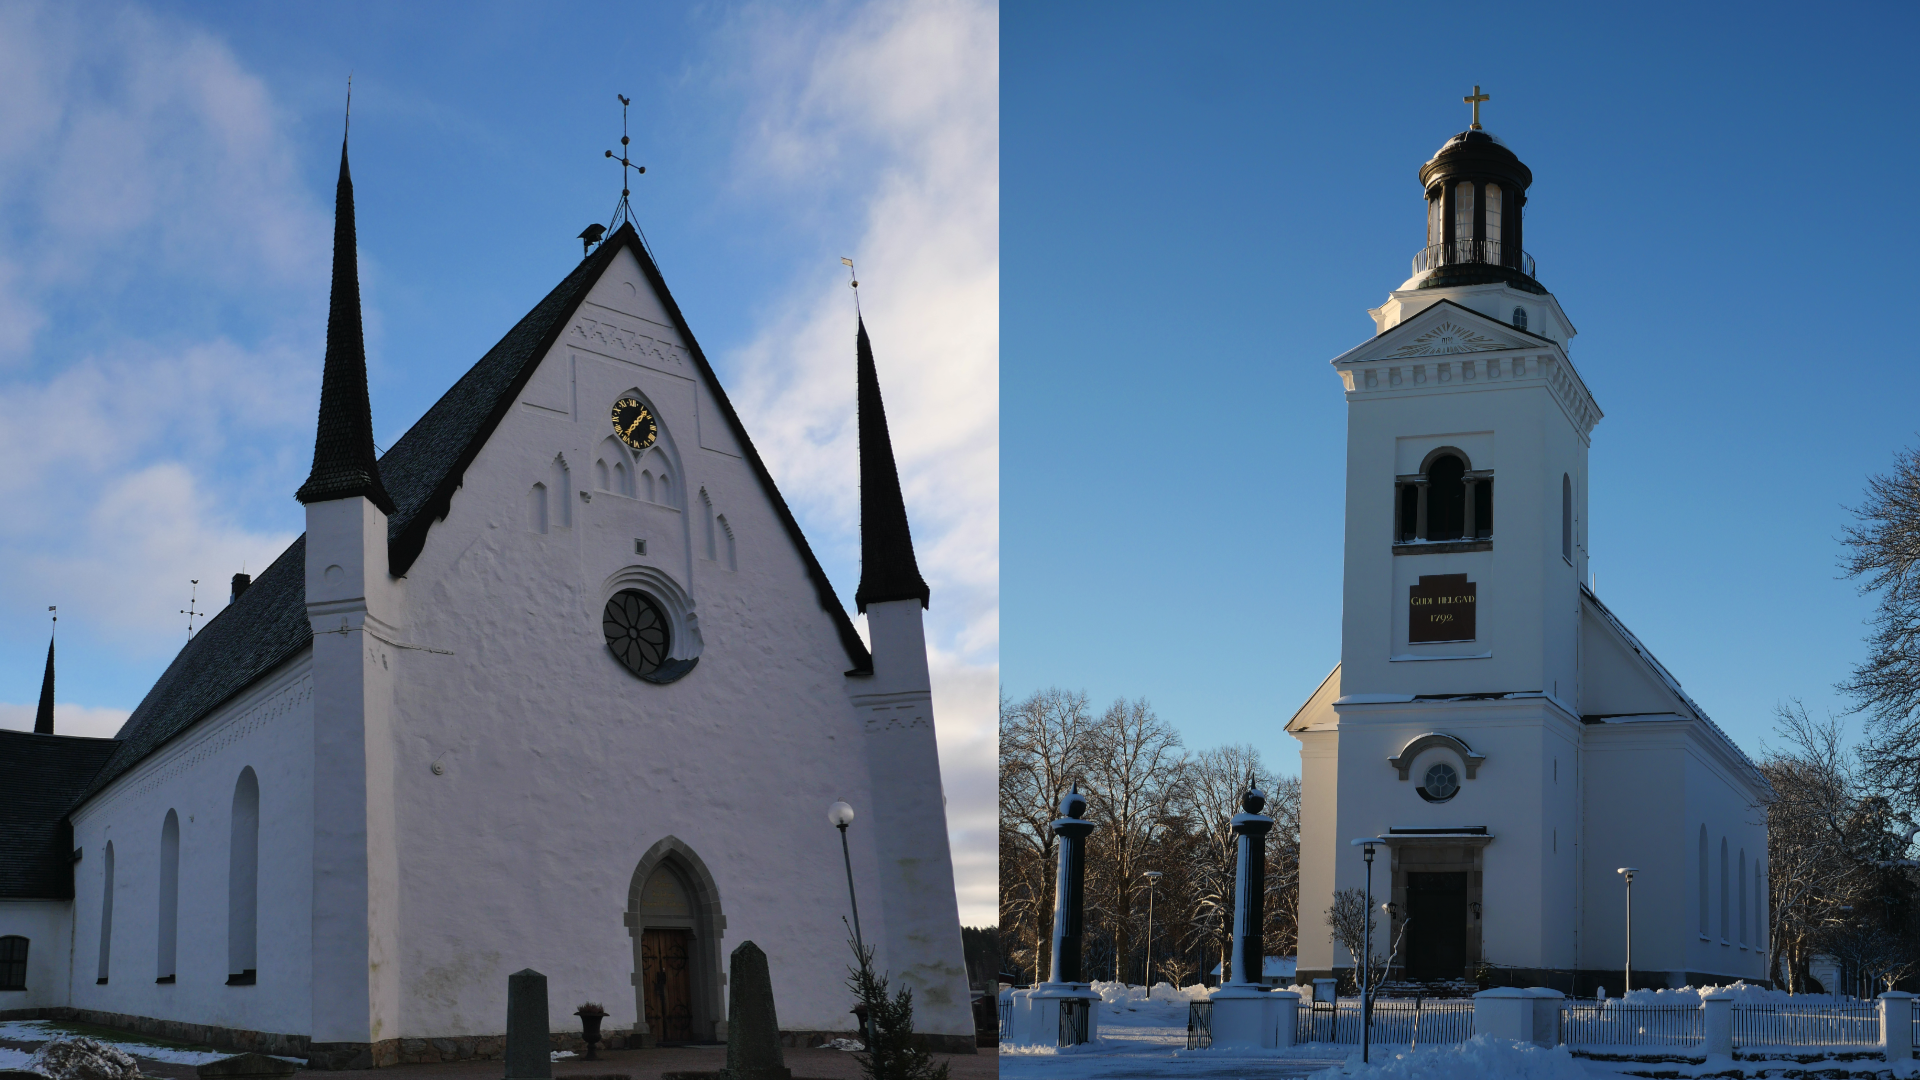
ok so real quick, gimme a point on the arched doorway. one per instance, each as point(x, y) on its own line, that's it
point(674, 917)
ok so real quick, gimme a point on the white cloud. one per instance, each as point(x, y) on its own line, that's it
point(898, 106)
point(68, 719)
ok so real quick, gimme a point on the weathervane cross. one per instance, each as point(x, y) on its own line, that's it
point(624, 211)
point(1474, 100)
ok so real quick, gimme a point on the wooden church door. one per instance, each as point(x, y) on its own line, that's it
point(669, 988)
point(1437, 932)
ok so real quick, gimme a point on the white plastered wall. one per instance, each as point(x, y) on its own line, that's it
point(47, 925)
point(268, 728)
point(560, 768)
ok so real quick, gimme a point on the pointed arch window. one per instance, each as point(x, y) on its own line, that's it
point(168, 922)
point(1724, 882)
point(243, 881)
point(1447, 501)
point(106, 914)
point(1703, 882)
point(1566, 521)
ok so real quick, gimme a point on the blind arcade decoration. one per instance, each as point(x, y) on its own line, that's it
point(1441, 608)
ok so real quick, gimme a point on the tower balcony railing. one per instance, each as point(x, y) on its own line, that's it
point(1462, 252)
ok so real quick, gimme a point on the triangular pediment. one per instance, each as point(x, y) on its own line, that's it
point(1444, 329)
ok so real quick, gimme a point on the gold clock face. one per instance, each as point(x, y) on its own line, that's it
point(634, 423)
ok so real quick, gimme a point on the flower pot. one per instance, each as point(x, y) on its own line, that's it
point(590, 1030)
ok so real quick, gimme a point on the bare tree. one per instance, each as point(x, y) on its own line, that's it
point(1884, 556)
point(1282, 932)
point(1133, 768)
point(1043, 751)
point(1214, 782)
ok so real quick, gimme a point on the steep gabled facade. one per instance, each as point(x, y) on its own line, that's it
point(555, 683)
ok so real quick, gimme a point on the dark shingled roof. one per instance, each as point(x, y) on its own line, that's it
point(268, 624)
point(343, 462)
point(41, 778)
point(888, 570)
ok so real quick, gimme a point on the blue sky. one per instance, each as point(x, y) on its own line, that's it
point(166, 181)
point(1200, 206)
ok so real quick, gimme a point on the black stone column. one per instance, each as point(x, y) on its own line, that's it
point(1069, 893)
point(1249, 902)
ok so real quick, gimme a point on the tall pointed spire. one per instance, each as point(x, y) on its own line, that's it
point(343, 459)
point(888, 570)
point(43, 720)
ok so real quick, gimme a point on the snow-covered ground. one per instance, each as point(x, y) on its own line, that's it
point(36, 1032)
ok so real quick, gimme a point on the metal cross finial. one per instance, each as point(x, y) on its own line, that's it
point(624, 211)
point(855, 274)
point(188, 611)
point(1474, 100)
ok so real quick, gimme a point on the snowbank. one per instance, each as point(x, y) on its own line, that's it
point(1479, 1058)
point(1743, 993)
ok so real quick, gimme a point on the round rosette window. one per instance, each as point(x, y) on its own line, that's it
point(1442, 783)
point(637, 631)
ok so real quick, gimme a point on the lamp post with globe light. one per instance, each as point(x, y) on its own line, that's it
point(1628, 872)
point(1153, 878)
point(1366, 844)
point(840, 815)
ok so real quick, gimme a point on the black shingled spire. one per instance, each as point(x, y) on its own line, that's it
point(888, 570)
point(43, 720)
point(343, 460)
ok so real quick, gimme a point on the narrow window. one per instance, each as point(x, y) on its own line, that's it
point(1520, 318)
point(1743, 898)
point(706, 514)
point(1436, 219)
point(727, 531)
point(1463, 218)
point(1723, 890)
point(168, 923)
point(537, 508)
point(563, 490)
point(106, 913)
point(620, 481)
point(666, 489)
point(13, 962)
point(1493, 224)
point(1446, 498)
point(1762, 933)
point(243, 881)
point(600, 482)
point(646, 484)
point(1703, 881)
point(1483, 510)
point(1566, 517)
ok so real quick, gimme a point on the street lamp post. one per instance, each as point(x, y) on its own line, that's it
point(1153, 877)
point(840, 815)
point(1366, 845)
point(1628, 872)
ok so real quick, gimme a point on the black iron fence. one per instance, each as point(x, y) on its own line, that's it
point(1006, 1021)
point(1199, 1025)
point(1073, 1021)
point(1412, 1021)
point(1460, 252)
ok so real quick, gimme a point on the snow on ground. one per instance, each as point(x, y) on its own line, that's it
point(13, 1059)
point(40, 1031)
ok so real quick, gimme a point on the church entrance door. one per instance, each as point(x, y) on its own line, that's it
point(1437, 932)
point(669, 988)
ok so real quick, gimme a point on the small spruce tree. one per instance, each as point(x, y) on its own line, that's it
point(890, 1054)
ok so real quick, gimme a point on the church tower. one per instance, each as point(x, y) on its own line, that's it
point(921, 912)
point(1453, 722)
point(352, 603)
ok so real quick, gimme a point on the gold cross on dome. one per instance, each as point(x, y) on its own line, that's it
point(1474, 100)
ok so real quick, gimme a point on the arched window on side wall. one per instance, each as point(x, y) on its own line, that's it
point(1725, 881)
point(1743, 898)
point(13, 962)
point(1703, 881)
point(1762, 933)
point(243, 881)
point(1566, 517)
point(168, 923)
point(106, 914)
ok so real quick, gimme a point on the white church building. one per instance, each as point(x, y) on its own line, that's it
point(1502, 736)
point(555, 683)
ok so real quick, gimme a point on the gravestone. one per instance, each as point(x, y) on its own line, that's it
point(528, 1041)
point(753, 1033)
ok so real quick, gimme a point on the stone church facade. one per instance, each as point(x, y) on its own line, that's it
point(1499, 733)
point(556, 682)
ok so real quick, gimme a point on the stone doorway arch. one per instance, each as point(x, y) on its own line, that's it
point(682, 898)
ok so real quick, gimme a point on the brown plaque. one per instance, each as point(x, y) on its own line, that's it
point(1440, 608)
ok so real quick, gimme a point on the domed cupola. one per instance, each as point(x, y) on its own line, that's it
point(1475, 189)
